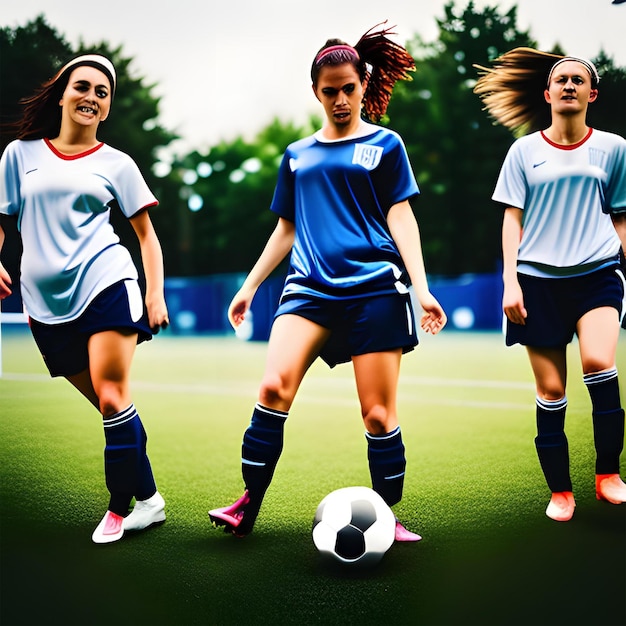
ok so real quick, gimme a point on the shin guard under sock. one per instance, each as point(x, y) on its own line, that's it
point(126, 466)
point(551, 443)
point(608, 419)
point(387, 464)
point(260, 451)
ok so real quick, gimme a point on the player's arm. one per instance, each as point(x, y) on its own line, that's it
point(5, 279)
point(276, 249)
point(152, 259)
point(513, 299)
point(405, 232)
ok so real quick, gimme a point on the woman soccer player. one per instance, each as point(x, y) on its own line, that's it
point(342, 201)
point(78, 283)
point(561, 185)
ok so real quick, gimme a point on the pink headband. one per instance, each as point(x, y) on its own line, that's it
point(341, 47)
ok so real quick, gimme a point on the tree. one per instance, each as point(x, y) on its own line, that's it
point(227, 192)
point(456, 150)
point(39, 51)
point(36, 46)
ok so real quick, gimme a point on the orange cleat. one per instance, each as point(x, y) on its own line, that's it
point(561, 506)
point(610, 487)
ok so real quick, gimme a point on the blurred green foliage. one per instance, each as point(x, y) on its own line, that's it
point(213, 215)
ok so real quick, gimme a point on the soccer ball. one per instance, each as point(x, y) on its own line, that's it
point(354, 526)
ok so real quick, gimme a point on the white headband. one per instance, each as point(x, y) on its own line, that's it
point(589, 66)
point(93, 60)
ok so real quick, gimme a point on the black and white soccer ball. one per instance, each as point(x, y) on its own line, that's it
point(354, 526)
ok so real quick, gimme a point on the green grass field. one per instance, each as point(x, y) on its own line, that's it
point(474, 490)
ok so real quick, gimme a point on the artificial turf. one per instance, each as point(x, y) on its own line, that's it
point(474, 490)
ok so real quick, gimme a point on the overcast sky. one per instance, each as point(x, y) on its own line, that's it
point(227, 68)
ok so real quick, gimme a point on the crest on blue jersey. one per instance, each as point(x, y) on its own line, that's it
point(367, 156)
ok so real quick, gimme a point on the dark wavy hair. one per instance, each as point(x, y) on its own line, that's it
point(375, 57)
point(41, 116)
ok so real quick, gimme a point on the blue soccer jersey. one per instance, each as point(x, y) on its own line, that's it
point(63, 206)
point(567, 194)
point(338, 194)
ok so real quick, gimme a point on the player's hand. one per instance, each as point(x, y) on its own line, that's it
point(5, 281)
point(158, 317)
point(513, 304)
point(239, 306)
point(434, 317)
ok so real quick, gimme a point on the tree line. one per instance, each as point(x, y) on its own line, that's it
point(213, 215)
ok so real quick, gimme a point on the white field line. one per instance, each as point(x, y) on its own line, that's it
point(320, 390)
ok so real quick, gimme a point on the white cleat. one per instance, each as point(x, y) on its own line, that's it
point(146, 513)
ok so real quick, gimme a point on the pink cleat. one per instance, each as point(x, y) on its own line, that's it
point(231, 516)
point(561, 506)
point(109, 529)
point(402, 534)
point(610, 487)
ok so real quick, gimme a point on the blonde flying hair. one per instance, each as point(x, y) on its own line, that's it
point(513, 89)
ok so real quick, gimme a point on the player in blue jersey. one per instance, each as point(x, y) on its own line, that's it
point(78, 283)
point(342, 201)
point(564, 189)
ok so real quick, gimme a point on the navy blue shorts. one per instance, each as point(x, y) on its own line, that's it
point(555, 305)
point(358, 325)
point(64, 346)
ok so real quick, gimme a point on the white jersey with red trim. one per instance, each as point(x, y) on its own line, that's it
point(567, 194)
point(63, 204)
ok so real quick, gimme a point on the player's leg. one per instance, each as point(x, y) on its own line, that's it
point(128, 471)
point(293, 345)
point(82, 382)
point(550, 369)
point(376, 377)
point(598, 332)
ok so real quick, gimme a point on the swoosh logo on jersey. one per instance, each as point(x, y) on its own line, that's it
point(538, 164)
point(31, 171)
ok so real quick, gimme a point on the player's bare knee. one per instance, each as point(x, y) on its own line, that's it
point(551, 394)
point(111, 399)
point(376, 420)
point(596, 365)
point(273, 392)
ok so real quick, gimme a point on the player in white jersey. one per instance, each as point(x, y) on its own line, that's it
point(342, 201)
point(564, 189)
point(78, 283)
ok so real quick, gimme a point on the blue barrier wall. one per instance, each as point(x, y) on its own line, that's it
point(472, 301)
point(199, 305)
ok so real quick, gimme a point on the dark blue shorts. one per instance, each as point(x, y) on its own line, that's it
point(64, 346)
point(358, 325)
point(555, 305)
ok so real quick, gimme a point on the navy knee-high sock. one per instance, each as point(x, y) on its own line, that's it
point(551, 443)
point(127, 469)
point(260, 451)
point(608, 419)
point(387, 464)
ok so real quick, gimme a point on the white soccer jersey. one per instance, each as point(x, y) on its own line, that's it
point(567, 194)
point(63, 203)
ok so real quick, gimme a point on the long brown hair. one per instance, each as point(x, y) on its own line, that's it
point(41, 116)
